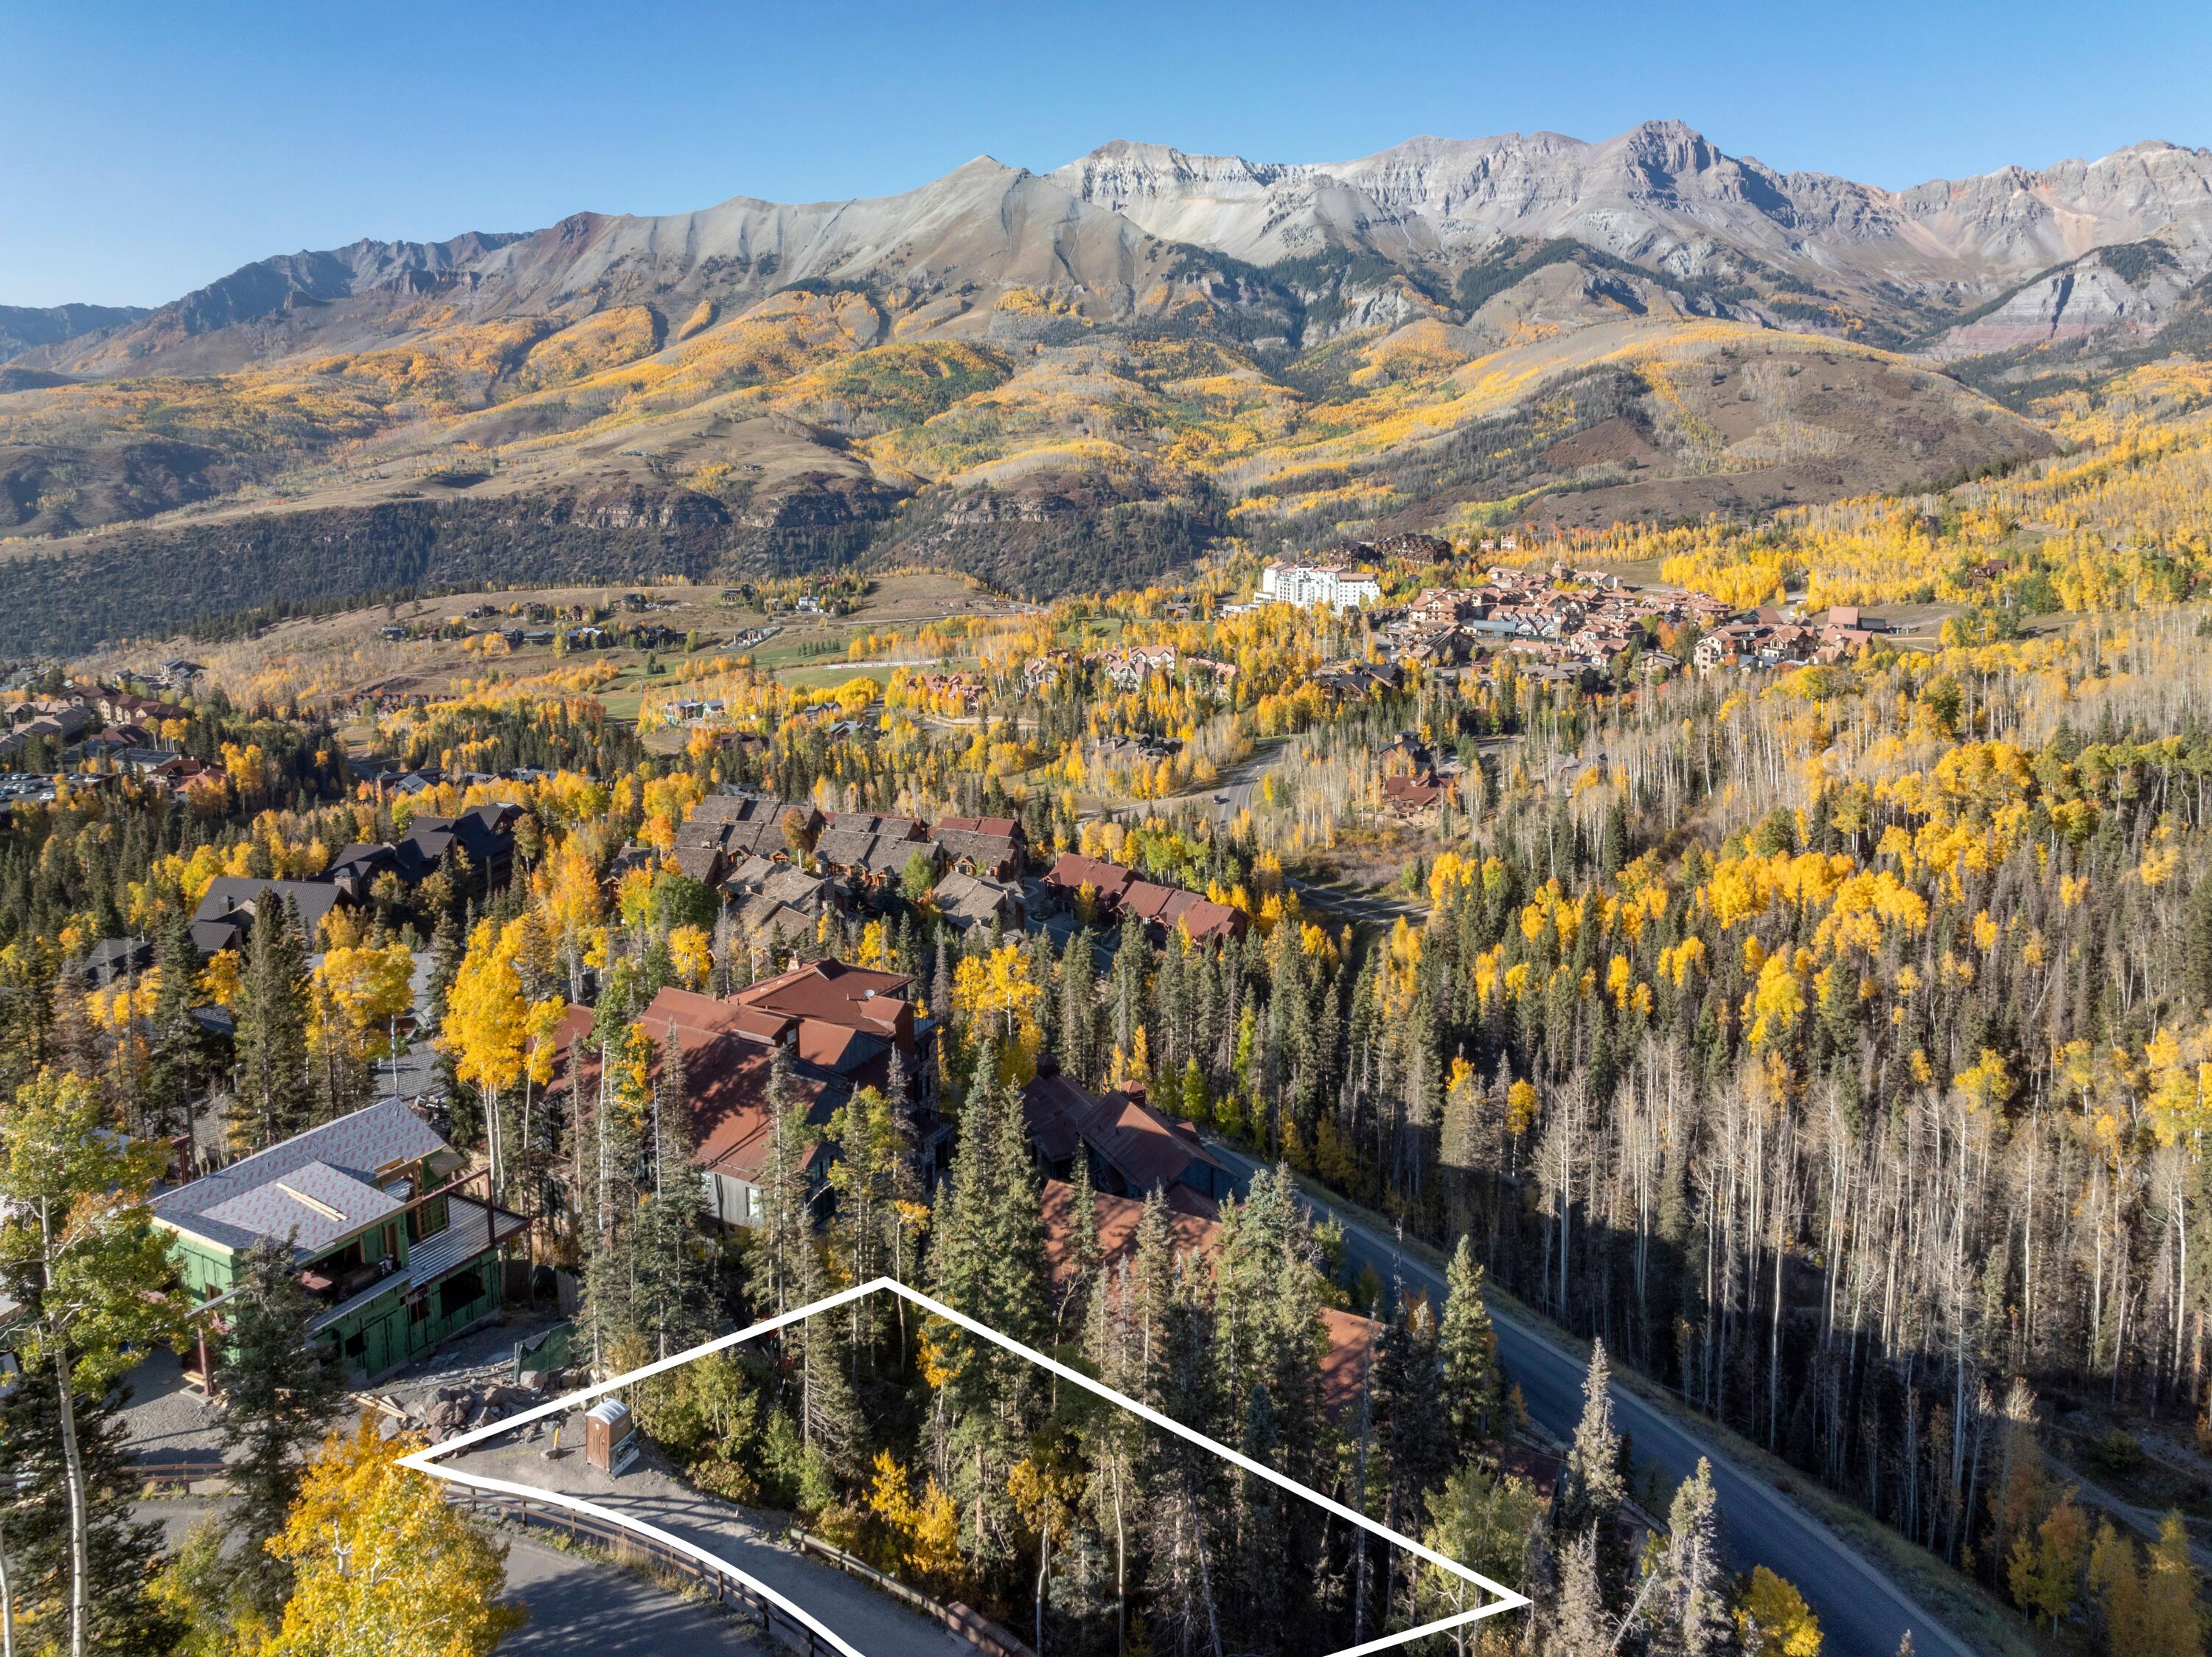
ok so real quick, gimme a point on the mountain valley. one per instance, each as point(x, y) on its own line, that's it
point(1079, 379)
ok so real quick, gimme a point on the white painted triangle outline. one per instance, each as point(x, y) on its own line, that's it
point(425, 1460)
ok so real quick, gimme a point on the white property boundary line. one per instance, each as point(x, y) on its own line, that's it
point(424, 1461)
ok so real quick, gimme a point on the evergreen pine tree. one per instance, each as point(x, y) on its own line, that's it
point(1688, 1615)
point(281, 1390)
point(1413, 1425)
point(1085, 1254)
point(987, 1259)
point(1579, 1624)
point(447, 947)
point(72, 1044)
point(122, 1554)
point(178, 1046)
point(1473, 1389)
point(607, 1160)
point(2197, 956)
point(275, 1092)
point(787, 1229)
point(672, 1275)
point(1078, 1019)
point(1596, 1487)
point(940, 982)
point(1127, 996)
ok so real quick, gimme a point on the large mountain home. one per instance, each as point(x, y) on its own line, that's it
point(1132, 1150)
point(1350, 1338)
point(484, 835)
point(225, 915)
point(965, 902)
point(742, 826)
point(399, 1257)
point(838, 1025)
point(989, 846)
point(871, 859)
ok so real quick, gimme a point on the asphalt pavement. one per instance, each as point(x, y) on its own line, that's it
point(579, 1607)
point(871, 1621)
point(1862, 1612)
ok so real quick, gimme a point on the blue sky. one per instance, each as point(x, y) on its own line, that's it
point(145, 149)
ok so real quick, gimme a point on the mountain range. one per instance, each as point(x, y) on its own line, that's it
point(1095, 373)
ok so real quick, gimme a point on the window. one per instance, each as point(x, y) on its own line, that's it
point(458, 1293)
point(356, 1344)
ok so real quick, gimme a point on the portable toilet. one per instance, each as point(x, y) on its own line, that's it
point(610, 1436)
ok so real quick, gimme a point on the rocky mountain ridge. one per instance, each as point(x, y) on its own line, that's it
point(1795, 249)
point(1663, 197)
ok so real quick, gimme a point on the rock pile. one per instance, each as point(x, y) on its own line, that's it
point(453, 1411)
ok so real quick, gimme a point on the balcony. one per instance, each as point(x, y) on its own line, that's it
point(333, 1280)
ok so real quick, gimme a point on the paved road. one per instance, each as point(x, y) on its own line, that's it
point(872, 1622)
point(1236, 789)
point(1862, 1612)
point(579, 1606)
point(1236, 792)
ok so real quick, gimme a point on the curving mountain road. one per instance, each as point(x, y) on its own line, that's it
point(1862, 1612)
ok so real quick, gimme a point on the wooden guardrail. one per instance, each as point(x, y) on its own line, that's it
point(970, 1624)
point(180, 1470)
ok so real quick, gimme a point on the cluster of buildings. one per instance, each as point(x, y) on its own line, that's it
point(480, 841)
point(583, 636)
point(964, 690)
point(1138, 747)
point(779, 864)
point(1350, 681)
point(1114, 892)
point(1563, 622)
point(402, 1246)
point(1129, 668)
point(1562, 618)
point(1769, 639)
point(97, 727)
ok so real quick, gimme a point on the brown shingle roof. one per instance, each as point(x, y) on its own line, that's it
point(1146, 1150)
point(1002, 828)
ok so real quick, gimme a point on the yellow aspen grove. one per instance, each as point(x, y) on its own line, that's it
point(383, 1565)
point(487, 1023)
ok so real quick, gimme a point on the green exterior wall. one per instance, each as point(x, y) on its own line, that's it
point(385, 1333)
